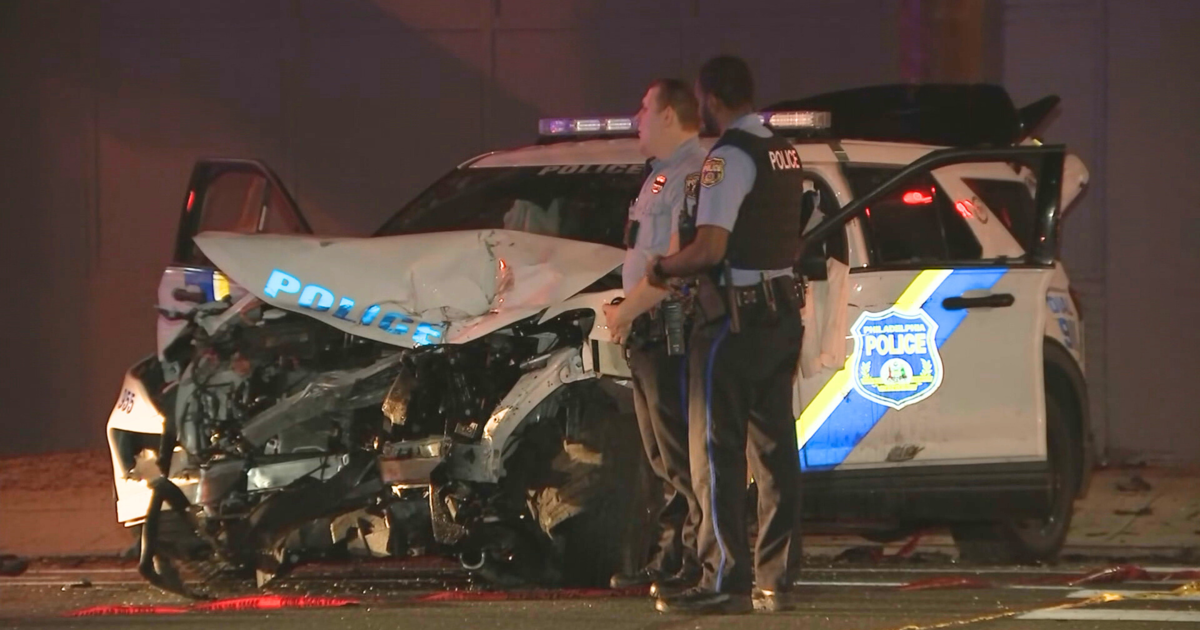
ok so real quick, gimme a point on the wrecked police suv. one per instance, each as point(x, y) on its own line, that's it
point(446, 386)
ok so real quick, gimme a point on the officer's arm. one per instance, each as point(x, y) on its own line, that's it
point(644, 296)
point(704, 253)
point(725, 180)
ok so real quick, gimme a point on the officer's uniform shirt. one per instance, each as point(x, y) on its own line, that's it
point(720, 201)
point(657, 208)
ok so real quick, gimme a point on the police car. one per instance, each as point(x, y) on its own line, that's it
point(942, 382)
point(962, 399)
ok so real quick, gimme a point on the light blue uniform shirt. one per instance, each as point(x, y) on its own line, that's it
point(720, 201)
point(657, 208)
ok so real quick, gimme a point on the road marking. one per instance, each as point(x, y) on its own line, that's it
point(70, 583)
point(848, 584)
point(56, 571)
point(1112, 614)
point(1086, 593)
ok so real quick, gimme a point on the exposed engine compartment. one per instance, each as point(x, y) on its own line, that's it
point(301, 440)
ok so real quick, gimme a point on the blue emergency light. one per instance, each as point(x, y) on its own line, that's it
point(586, 126)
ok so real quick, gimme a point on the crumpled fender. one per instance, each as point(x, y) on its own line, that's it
point(415, 289)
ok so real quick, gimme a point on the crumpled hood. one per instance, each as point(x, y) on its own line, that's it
point(416, 289)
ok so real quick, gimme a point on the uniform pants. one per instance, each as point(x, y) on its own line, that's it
point(741, 408)
point(660, 400)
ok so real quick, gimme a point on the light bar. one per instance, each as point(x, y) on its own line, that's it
point(797, 120)
point(586, 126)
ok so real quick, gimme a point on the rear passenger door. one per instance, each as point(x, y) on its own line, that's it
point(943, 334)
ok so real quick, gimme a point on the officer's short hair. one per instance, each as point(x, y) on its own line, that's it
point(727, 78)
point(678, 96)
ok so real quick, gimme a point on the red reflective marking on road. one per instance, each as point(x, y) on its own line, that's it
point(1112, 575)
point(253, 602)
point(273, 602)
point(947, 582)
point(97, 611)
point(496, 596)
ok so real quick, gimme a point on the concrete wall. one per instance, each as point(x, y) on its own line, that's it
point(1126, 73)
point(358, 104)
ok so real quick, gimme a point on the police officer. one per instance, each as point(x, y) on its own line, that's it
point(743, 350)
point(668, 123)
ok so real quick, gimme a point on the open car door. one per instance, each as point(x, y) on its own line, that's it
point(228, 195)
point(942, 387)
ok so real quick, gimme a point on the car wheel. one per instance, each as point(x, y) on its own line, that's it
point(1032, 540)
point(614, 532)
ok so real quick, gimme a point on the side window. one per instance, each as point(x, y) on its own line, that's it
point(232, 203)
point(915, 224)
point(230, 196)
point(246, 202)
point(1012, 203)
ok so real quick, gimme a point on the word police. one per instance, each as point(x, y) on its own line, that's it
point(784, 159)
point(583, 169)
point(895, 339)
point(317, 298)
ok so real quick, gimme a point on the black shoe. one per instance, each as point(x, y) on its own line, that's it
point(645, 577)
point(12, 566)
point(771, 601)
point(676, 584)
point(702, 601)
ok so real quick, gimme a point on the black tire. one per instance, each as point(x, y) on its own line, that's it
point(1032, 541)
point(616, 530)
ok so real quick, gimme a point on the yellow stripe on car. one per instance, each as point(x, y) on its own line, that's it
point(839, 385)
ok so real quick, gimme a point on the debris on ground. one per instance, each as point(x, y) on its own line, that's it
point(946, 582)
point(1135, 483)
point(12, 566)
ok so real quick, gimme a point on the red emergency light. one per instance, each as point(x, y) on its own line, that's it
point(917, 198)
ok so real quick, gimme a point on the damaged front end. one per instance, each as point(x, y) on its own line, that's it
point(284, 439)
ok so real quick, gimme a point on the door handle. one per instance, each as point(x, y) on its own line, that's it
point(996, 300)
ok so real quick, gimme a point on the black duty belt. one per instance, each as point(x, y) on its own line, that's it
point(785, 292)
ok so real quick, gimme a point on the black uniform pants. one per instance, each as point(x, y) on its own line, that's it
point(741, 407)
point(660, 400)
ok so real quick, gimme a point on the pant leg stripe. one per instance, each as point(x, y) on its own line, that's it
point(712, 471)
point(683, 389)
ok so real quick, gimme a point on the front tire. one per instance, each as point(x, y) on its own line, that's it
point(614, 532)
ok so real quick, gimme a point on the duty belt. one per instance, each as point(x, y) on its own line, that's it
point(785, 291)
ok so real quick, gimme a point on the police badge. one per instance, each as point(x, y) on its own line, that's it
point(896, 361)
point(713, 172)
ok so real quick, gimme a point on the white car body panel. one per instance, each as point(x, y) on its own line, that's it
point(442, 288)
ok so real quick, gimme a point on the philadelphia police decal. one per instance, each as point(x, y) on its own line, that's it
point(896, 361)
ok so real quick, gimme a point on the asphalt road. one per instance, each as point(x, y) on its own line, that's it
point(913, 596)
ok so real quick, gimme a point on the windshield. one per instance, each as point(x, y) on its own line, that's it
point(581, 202)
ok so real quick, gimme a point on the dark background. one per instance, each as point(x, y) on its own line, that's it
point(358, 104)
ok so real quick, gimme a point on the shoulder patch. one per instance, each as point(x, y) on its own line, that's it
point(713, 172)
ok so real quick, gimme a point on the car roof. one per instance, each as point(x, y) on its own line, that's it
point(625, 151)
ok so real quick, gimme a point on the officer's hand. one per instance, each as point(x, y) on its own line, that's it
point(614, 322)
point(654, 279)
